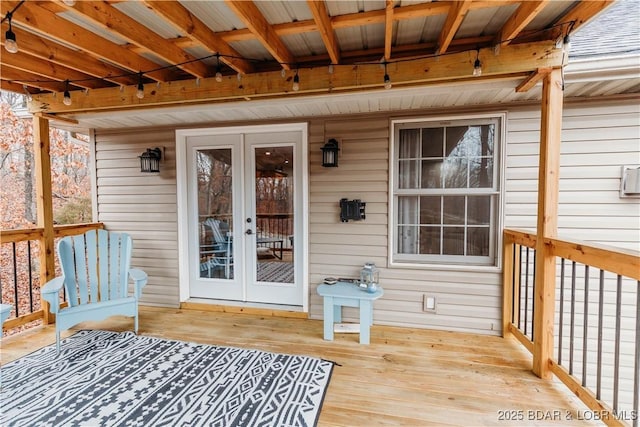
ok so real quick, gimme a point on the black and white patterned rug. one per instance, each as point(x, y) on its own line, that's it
point(119, 379)
point(279, 272)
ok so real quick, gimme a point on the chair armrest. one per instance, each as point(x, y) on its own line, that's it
point(50, 293)
point(139, 278)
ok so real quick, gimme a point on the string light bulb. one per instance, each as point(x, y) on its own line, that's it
point(387, 79)
point(477, 66)
point(296, 82)
point(140, 91)
point(10, 43)
point(330, 68)
point(218, 69)
point(66, 97)
point(70, 3)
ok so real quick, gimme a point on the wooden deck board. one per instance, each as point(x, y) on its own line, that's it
point(406, 377)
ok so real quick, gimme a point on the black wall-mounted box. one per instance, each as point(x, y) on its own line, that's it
point(352, 209)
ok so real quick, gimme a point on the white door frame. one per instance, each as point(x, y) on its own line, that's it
point(182, 197)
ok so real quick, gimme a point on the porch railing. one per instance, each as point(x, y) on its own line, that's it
point(596, 351)
point(20, 278)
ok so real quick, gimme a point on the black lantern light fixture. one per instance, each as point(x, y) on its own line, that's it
point(330, 154)
point(150, 160)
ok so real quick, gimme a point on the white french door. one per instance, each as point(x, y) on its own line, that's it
point(245, 222)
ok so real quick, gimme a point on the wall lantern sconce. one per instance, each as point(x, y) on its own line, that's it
point(330, 154)
point(150, 160)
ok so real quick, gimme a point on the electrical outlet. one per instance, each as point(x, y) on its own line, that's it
point(429, 303)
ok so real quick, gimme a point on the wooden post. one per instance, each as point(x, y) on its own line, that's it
point(507, 284)
point(547, 225)
point(44, 201)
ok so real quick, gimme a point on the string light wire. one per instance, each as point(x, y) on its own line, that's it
point(296, 78)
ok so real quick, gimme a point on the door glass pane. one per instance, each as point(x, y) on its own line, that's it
point(274, 204)
point(215, 212)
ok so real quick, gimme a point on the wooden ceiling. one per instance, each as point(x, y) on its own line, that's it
point(102, 50)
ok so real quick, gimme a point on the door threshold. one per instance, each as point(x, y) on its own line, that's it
point(260, 309)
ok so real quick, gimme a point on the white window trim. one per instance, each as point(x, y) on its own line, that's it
point(500, 191)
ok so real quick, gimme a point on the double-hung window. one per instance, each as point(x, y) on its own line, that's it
point(445, 193)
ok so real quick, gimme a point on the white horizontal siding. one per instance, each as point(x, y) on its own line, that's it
point(597, 140)
point(143, 205)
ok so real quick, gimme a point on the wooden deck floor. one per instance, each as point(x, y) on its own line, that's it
point(406, 377)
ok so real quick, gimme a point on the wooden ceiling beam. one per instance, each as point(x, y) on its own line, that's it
point(323, 22)
point(111, 19)
point(24, 78)
point(519, 20)
point(249, 13)
point(61, 55)
point(454, 19)
point(517, 60)
point(184, 21)
point(33, 16)
point(10, 86)
point(50, 70)
point(388, 29)
point(350, 20)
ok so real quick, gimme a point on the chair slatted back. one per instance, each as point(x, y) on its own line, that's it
point(95, 266)
point(214, 224)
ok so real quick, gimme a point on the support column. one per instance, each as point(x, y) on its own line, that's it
point(44, 202)
point(547, 225)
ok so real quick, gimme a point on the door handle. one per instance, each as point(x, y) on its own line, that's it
point(249, 232)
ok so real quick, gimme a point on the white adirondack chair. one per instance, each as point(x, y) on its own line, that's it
point(95, 274)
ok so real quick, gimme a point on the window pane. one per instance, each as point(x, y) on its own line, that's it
point(454, 171)
point(481, 172)
point(408, 210)
point(453, 241)
point(478, 209)
point(432, 174)
point(487, 138)
point(432, 142)
point(430, 240)
point(408, 144)
point(408, 174)
point(407, 239)
point(454, 210)
point(430, 210)
point(459, 141)
point(478, 243)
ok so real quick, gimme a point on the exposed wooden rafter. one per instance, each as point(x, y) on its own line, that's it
point(183, 20)
point(388, 29)
point(62, 55)
point(112, 19)
point(321, 18)
point(20, 77)
point(519, 20)
point(249, 13)
point(33, 16)
point(455, 17)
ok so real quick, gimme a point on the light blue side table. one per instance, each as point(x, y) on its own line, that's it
point(344, 294)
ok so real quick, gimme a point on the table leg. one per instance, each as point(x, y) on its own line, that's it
point(365, 320)
point(328, 318)
point(337, 313)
